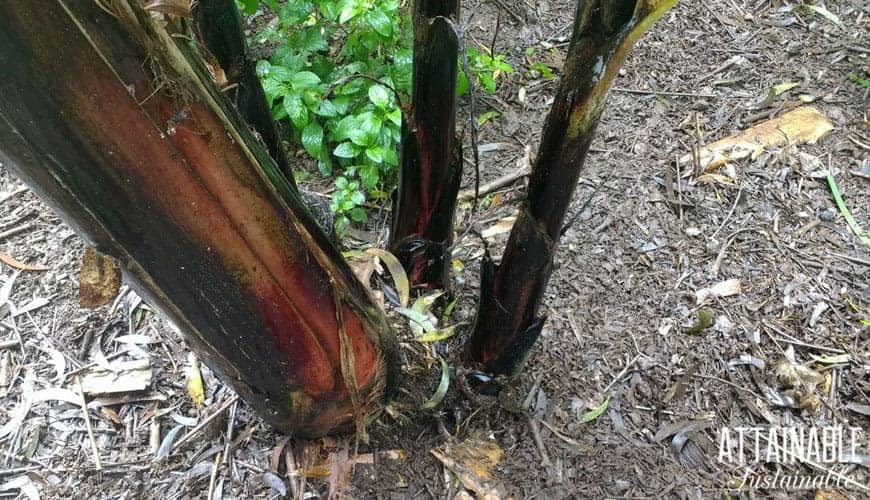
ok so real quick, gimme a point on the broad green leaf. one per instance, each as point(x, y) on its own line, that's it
point(250, 6)
point(370, 175)
point(327, 109)
point(380, 22)
point(304, 80)
point(357, 214)
point(379, 96)
point(595, 412)
point(347, 13)
point(390, 157)
point(345, 150)
point(395, 116)
point(461, 84)
point(375, 154)
point(312, 139)
point(296, 110)
point(441, 391)
point(345, 128)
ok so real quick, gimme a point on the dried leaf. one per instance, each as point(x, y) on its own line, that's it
point(501, 227)
point(137, 338)
point(176, 8)
point(275, 483)
point(31, 306)
point(19, 413)
point(799, 126)
point(127, 376)
point(472, 461)
point(725, 288)
point(195, 387)
point(100, 279)
point(57, 394)
point(784, 87)
point(13, 262)
point(23, 484)
point(822, 11)
point(747, 359)
point(400, 279)
point(59, 362)
point(833, 359)
point(168, 442)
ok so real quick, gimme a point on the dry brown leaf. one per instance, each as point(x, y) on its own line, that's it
point(725, 288)
point(804, 125)
point(472, 462)
point(128, 376)
point(830, 495)
point(501, 227)
point(13, 262)
point(100, 279)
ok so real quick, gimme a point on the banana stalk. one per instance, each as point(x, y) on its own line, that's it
point(507, 323)
point(109, 112)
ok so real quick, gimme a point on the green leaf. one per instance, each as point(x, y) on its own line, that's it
point(250, 6)
point(345, 150)
point(395, 116)
point(296, 110)
point(844, 210)
point(370, 175)
point(489, 115)
point(595, 412)
point(375, 154)
point(304, 80)
point(347, 13)
point(379, 96)
point(461, 84)
point(312, 138)
point(441, 391)
point(437, 335)
point(705, 319)
point(359, 215)
point(366, 131)
point(327, 109)
point(420, 323)
point(380, 22)
point(345, 128)
point(390, 157)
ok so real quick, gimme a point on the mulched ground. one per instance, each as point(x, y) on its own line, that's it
point(647, 235)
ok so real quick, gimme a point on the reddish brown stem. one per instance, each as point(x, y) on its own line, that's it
point(115, 122)
point(431, 163)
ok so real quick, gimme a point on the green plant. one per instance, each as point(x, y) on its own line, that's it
point(485, 68)
point(337, 77)
point(333, 77)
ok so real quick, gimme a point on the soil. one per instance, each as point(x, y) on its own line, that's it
point(646, 234)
